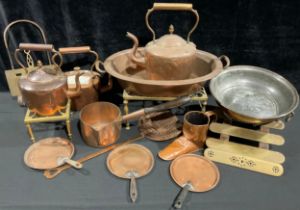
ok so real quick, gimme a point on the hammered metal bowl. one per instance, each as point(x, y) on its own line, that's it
point(254, 95)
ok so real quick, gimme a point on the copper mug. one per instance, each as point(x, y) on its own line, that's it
point(195, 126)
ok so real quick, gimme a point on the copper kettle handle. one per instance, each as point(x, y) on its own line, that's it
point(8, 27)
point(37, 47)
point(78, 50)
point(174, 7)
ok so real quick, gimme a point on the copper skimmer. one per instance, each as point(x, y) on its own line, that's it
point(130, 162)
point(193, 173)
point(50, 153)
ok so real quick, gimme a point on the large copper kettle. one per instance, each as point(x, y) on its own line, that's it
point(170, 57)
point(45, 90)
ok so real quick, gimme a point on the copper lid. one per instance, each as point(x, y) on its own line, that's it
point(201, 173)
point(170, 46)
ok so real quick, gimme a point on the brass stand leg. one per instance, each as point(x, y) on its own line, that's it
point(30, 132)
point(68, 125)
point(204, 103)
point(126, 110)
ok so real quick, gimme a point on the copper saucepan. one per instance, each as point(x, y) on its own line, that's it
point(100, 122)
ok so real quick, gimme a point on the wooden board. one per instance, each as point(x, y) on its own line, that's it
point(244, 162)
point(245, 133)
point(255, 152)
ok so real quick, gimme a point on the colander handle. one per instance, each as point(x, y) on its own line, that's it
point(173, 7)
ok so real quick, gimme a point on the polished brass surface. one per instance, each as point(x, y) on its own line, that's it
point(134, 80)
point(62, 115)
point(45, 90)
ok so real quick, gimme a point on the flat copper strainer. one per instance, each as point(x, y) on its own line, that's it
point(130, 161)
point(160, 126)
point(45, 153)
point(193, 173)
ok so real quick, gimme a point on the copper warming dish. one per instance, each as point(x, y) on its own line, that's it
point(134, 80)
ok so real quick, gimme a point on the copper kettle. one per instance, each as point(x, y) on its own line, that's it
point(170, 57)
point(45, 90)
point(90, 80)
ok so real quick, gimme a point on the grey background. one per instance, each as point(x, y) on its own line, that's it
point(95, 188)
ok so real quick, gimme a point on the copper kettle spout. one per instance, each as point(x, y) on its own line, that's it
point(77, 91)
point(138, 60)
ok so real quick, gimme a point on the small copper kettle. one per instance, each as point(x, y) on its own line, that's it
point(90, 80)
point(170, 57)
point(45, 90)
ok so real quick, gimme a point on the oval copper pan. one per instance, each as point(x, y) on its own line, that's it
point(45, 153)
point(197, 170)
point(131, 157)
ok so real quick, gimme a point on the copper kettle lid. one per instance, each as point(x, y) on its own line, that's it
point(42, 74)
point(171, 45)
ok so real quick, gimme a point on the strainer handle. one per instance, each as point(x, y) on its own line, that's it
point(181, 196)
point(174, 7)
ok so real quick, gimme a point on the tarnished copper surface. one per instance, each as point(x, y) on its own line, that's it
point(160, 126)
point(130, 158)
point(89, 79)
point(179, 146)
point(45, 90)
point(201, 173)
point(100, 123)
point(195, 126)
point(133, 78)
point(45, 153)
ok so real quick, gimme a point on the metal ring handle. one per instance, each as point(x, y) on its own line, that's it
point(37, 47)
point(78, 50)
point(8, 27)
point(174, 7)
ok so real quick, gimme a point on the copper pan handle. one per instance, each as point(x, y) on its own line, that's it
point(173, 7)
point(181, 196)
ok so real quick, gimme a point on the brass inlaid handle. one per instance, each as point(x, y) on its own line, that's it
point(174, 7)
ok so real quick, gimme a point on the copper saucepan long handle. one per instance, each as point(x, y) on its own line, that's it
point(158, 108)
point(52, 173)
